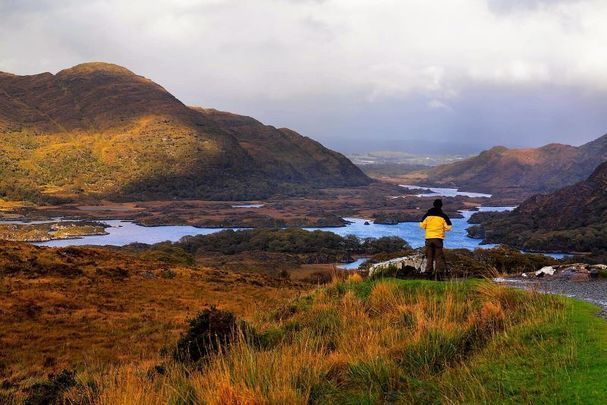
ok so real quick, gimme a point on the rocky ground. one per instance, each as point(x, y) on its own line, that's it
point(579, 281)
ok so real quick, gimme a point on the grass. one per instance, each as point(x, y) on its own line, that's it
point(93, 308)
point(387, 341)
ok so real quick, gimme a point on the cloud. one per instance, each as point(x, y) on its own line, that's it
point(439, 105)
point(257, 56)
point(509, 6)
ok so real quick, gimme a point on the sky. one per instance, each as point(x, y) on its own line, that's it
point(430, 77)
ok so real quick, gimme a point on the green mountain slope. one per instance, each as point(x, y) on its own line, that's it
point(98, 130)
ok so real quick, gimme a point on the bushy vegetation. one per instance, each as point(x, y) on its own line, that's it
point(391, 342)
point(524, 233)
point(326, 246)
point(78, 308)
point(166, 252)
point(209, 331)
point(51, 390)
point(480, 263)
point(491, 262)
point(572, 219)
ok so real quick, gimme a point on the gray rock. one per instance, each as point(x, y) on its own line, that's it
point(415, 262)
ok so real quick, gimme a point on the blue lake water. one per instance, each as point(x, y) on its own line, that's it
point(444, 192)
point(411, 232)
point(120, 233)
point(353, 265)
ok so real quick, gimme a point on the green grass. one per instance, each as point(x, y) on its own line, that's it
point(560, 360)
point(397, 341)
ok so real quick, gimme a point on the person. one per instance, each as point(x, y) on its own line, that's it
point(436, 223)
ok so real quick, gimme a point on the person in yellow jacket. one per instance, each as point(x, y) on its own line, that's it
point(436, 223)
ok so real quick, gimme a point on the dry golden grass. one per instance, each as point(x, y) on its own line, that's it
point(352, 341)
point(90, 308)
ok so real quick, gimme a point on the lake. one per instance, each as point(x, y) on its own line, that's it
point(444, 192)
point(120, 233)
point(412, 233)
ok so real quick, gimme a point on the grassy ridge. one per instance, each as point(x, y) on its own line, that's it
point(388, 341)
point(99, 131)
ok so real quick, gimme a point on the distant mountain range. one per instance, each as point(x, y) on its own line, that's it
point(98, 130)
point(573, 218)
point(512, 172)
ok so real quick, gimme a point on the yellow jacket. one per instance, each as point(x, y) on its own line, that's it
point(435, 227)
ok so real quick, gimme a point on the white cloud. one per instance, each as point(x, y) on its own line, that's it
point(265, 53)
point(274, 48)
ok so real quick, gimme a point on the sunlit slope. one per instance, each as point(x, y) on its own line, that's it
point(531, 170)
point(99, 130)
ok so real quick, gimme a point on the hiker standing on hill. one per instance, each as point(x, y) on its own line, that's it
point(436, 223)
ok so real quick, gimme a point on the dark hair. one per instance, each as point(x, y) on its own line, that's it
point(438, 203)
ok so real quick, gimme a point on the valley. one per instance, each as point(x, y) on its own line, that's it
point(358, 212)
point(152, 252)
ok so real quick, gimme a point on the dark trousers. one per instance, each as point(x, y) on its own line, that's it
point(435, 257)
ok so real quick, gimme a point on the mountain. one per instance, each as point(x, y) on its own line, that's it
point(573, 218)
point(509, 172)
point(99, 130)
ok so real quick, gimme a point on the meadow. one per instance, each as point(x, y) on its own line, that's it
point(358, 341)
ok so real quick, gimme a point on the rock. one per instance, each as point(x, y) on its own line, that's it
point(580, 277)
point(415, 263)
point(547, 270)
point(367, 223)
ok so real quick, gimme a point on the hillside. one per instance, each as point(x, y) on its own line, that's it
point(507, 172)
point(573, 218)
point(97, 130)
point(350, 342)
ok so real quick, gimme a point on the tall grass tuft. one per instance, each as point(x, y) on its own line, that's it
point(353, 341)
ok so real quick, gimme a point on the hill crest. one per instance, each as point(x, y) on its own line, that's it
point(519, 172)
point(98, 130)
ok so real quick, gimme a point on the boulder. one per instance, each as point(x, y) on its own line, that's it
point(547, 270)
point(400, 265)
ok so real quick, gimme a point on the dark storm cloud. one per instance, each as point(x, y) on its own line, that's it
point(355, 74)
